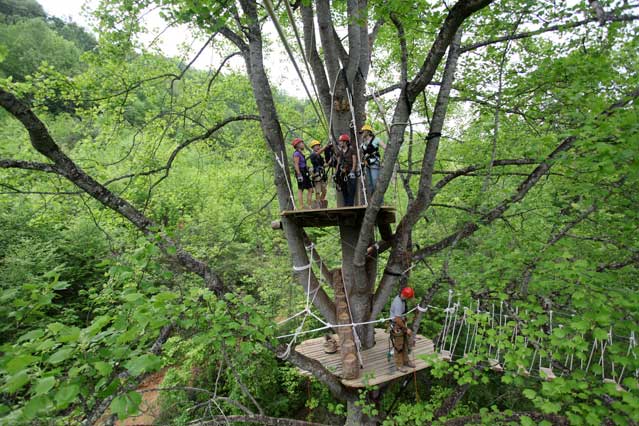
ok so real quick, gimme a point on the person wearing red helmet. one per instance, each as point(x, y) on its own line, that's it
point(399, 332)
point(302, 174)
point(345, 170)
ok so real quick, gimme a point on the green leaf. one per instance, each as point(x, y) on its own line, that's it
point(60, 285)
point(69, 335)
point(16, 381)
point(19, 363)
point(60, 356)
point(55, 327)
point(32, 335)
point(44, 385)
point(143, 364)
point(35, 406)
point(529, 393)
point(104, 368)
point(66, 395)
point(126, 405)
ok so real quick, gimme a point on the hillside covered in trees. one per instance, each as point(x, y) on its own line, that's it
point(139, 195)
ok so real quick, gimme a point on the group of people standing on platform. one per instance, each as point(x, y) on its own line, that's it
point(343, 160)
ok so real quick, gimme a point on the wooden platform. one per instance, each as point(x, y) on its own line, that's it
point(376, 369)
point(339, 215)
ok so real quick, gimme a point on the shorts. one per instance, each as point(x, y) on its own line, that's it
point(306, 181)
point(320, 186)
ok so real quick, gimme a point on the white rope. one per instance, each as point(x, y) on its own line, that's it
point(329, 325)
point(288, 185)
point(501, 307)
point(446, 320)
point(301, 268)
point(358, 342)
point(594, 346)
point(550, 352)
point(491, 325)
point(461, 326)
point(631, 345)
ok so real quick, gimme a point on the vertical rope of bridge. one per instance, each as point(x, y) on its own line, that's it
point(612, 361)
point(631, 345)
point(492, 326)
point(286, 177)
point(358, 343)
point(474, 347)
point(594, 347)
point(442, 339)
point(549, 340)
point(499, 332)
point(461, 327)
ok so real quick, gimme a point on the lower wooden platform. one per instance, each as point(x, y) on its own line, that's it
point(338, 215)
point(377, 369)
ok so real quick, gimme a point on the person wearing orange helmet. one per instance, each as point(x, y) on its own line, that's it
point(400, 333)
point(302, 174)
point(345, 179)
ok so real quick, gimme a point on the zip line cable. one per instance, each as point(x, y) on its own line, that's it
point(269, 8)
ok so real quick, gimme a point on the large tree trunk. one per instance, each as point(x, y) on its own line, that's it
point(359, 295)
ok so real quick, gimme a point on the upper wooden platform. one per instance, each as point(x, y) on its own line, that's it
point(338, 215)
point(377, 369)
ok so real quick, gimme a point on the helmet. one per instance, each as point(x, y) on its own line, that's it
point(407, 293)
point(366, 127)
point(295, 141)
point(344, 137)
point(315, 142)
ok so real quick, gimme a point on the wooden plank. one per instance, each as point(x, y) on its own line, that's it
point(377, 369)
point(336, 216)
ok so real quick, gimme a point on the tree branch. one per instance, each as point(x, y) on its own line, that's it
point(555, 419)
point(318, 370)
point(30, 165)
point(262, 420)
point(558, 27)
point(42, 141)
point(470, 228)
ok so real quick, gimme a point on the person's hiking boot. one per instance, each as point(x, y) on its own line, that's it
point(330, 344)
point(410, 364)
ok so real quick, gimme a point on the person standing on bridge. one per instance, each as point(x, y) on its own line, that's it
point(400, 333)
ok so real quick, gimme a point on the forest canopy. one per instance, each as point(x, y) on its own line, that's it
point(140, 274)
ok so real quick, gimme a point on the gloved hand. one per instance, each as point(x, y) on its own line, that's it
point(351, 175)
point(300, 179)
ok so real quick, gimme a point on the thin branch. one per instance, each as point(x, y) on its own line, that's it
point(42, 141)
point(262, 420)
point(167, 167)
point(238, 379)
point(30, 165)
point(558, 27)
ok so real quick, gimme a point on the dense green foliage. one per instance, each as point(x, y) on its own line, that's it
point(84, 295)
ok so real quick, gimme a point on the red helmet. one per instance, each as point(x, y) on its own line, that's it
point(407, 293)
point(344, 137)
point(295, 141)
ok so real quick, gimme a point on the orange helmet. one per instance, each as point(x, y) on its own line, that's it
point(407, 293)
point(344, 137)
point(295, 141)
